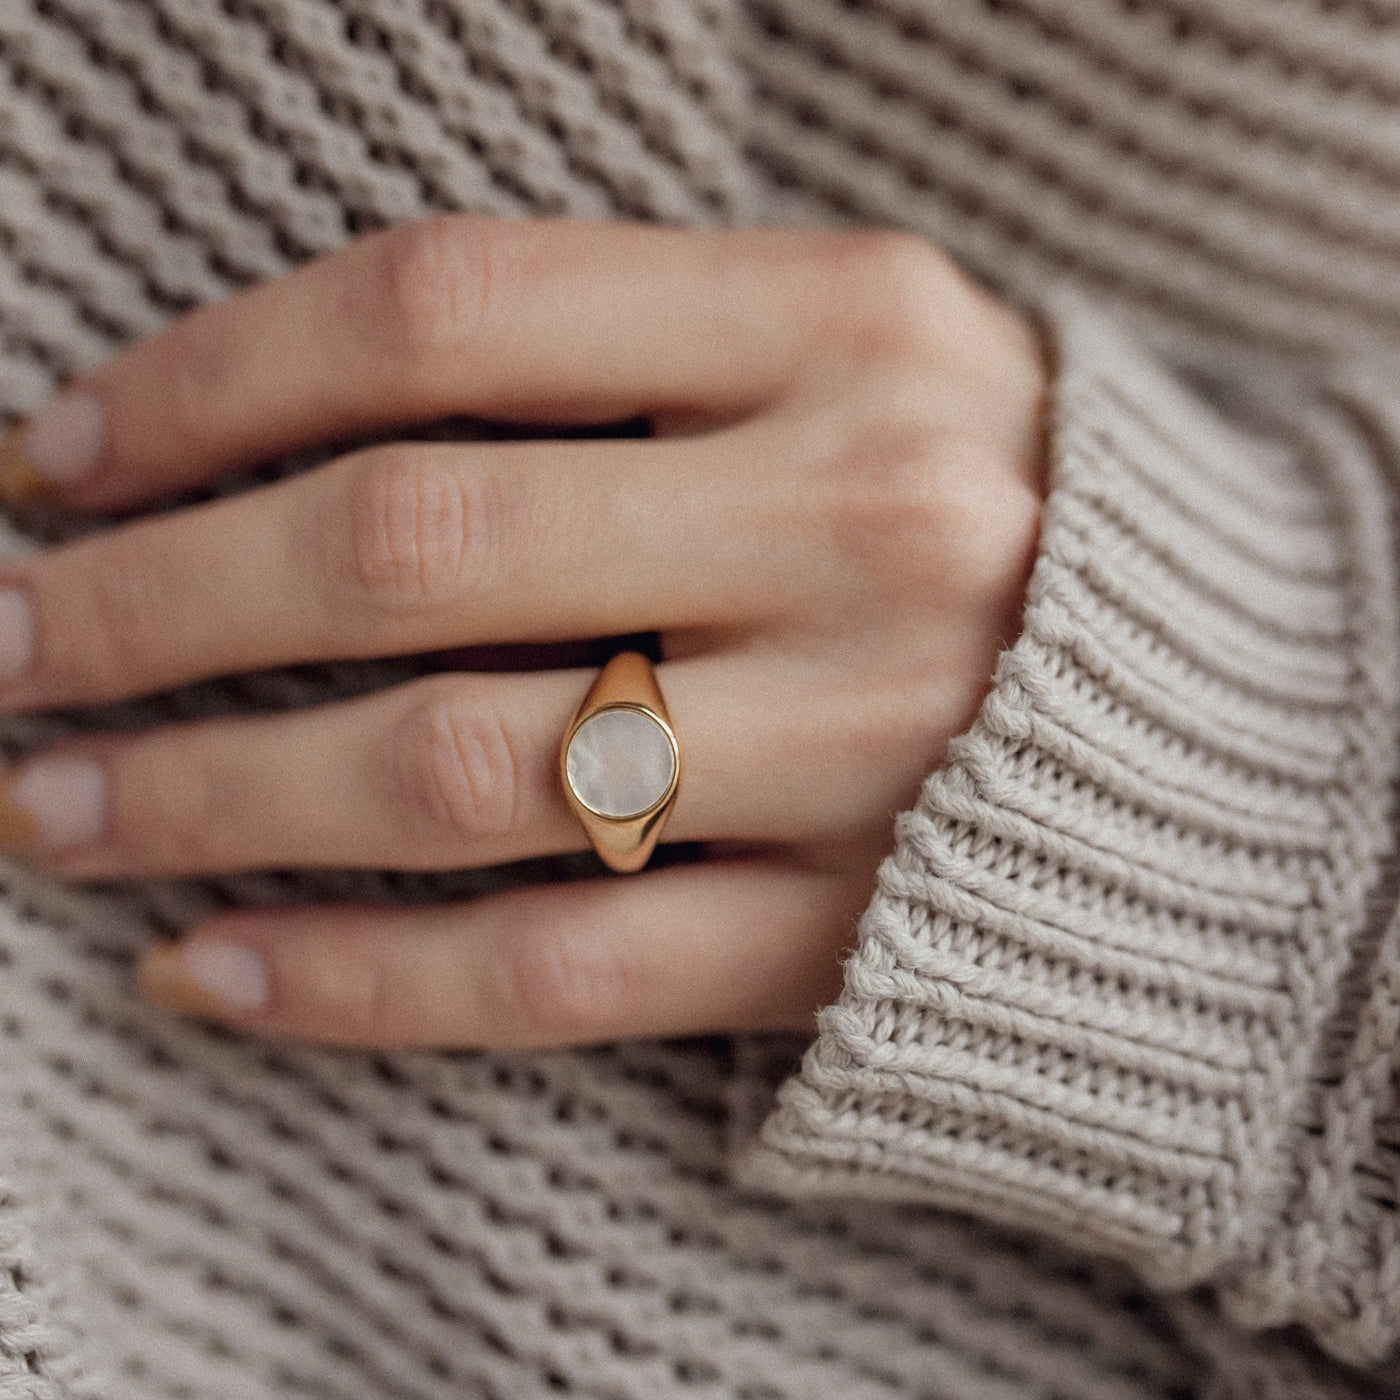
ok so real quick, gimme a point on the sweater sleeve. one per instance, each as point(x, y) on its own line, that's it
point(1131, 977)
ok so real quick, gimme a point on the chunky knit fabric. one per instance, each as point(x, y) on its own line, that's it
point(1108, 1106)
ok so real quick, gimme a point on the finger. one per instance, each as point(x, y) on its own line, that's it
point(550, 322)
point(684, 951)
point(447, 772)
point(413, 548)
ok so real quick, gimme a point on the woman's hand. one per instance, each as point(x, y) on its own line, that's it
point(831, 531)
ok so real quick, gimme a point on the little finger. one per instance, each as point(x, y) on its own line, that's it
point(684, 951)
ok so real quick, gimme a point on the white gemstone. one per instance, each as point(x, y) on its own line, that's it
point(620, 763)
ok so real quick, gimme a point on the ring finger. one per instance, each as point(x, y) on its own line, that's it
point(449, 771)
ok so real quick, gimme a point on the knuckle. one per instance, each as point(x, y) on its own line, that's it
point(929, 509)
point(414, 526)
point(440, 279)
point(991, 525)
point(888, 509)
point(568, 984)
point(348, 994)
point(459, 768)
point(170, 809)
point(893, 291)
point(123, 632)
point(200, 398)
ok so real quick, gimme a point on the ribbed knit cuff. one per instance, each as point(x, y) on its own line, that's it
point(1093, 989)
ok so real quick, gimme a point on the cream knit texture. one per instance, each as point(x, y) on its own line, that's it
point(1108, 1108)
point(1090, 995)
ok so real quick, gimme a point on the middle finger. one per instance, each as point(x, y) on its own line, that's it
point(409, 548)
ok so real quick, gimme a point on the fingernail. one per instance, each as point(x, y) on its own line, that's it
point(20, 484)
point(61, 444)
point(206, 977)
point(62, 801)
point(18, 830)
point(16, 633)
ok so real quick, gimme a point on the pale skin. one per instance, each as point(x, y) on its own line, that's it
point(831, 531)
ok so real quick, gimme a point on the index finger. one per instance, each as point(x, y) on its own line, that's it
point(546, 322)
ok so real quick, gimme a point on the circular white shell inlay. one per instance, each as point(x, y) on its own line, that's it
point(620, 763)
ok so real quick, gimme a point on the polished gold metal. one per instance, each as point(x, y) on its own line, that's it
point(627, 682)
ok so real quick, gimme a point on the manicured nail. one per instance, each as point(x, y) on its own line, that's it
point(19, 831)
point(16, 633)
point(20, 484)
point(206, 977)
point(63, 799)
point(61, 444)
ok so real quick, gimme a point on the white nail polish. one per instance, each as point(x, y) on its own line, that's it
point(67, 798)
point(16, 633)
point(232, 973)
point(64, 441)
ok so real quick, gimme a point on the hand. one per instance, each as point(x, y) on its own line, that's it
point(831, 531)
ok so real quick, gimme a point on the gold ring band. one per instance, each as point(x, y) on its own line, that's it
point(620, 762)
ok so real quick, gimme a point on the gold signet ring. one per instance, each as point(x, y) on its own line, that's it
point(621, 762)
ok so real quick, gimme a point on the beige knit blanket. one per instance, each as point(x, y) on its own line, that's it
point(1108, 1109)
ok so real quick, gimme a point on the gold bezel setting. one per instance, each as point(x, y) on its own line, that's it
point(626, 683)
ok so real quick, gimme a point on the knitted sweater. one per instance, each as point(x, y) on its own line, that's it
point(1108, 1107)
